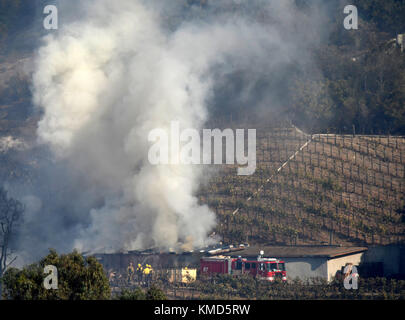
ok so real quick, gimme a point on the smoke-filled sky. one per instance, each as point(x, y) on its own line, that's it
point(113, 71)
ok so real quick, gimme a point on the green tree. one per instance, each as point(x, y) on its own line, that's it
point(137, 294)
point(388, 15)
point(155, 293)
point(79, 278)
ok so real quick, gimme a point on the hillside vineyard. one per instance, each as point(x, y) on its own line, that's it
point(338, 189)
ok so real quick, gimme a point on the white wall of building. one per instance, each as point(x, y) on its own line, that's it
point(336, 264)
point(322, 267)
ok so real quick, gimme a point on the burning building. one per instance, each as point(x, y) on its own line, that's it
point(161, 260)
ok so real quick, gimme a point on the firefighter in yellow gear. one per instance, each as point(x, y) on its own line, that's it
point(139, 272)
point(130, 271)
point(147, 271)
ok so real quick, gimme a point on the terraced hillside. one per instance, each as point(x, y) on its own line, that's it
point(335, 188)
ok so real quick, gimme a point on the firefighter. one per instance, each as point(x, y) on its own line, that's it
point(147, 271)
point(111, 276)
point(139, 272)
point(131, 272)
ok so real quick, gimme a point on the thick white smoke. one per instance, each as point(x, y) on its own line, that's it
point(105, 81)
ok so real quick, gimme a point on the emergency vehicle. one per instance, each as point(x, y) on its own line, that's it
point(268, 269)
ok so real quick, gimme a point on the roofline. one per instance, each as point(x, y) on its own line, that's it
point(347, 253)
point(328, 256)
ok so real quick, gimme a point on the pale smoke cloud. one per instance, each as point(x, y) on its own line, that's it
point(105, 81)
point(103, 85)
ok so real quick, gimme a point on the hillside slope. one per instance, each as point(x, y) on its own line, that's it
point(340, 188)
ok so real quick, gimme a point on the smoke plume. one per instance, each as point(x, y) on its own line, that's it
point(122, 68)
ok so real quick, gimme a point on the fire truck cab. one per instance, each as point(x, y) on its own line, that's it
point(268, 269)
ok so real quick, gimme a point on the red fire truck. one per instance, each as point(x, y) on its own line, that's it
point(262, 268)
